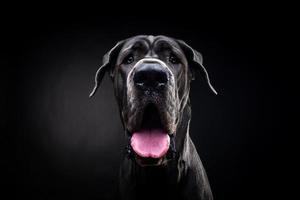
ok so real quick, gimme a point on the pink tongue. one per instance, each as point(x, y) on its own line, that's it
point(150, 143)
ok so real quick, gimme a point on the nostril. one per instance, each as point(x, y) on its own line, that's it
point(162, 77)
point(139, 77)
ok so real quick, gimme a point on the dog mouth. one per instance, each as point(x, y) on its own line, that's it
point(151, 141)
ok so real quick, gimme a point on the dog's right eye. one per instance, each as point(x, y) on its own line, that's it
point(174, 59)
point(128, 59)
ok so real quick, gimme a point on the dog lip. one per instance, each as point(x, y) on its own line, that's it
point(150, 162)
point(128, 133)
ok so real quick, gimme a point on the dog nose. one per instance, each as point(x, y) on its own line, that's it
point(150, 76)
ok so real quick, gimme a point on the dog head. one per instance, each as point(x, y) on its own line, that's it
point(151, 77)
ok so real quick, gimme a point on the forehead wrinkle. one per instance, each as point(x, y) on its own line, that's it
point(169, 42)
point(130, 47)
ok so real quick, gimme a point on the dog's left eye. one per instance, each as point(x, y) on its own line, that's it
point(128, 59)
point(173, 59)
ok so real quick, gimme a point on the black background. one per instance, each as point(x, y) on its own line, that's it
point(59, 144)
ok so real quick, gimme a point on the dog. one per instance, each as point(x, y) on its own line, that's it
point(151, 76)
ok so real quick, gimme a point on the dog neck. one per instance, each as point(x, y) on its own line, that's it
point(182, 131)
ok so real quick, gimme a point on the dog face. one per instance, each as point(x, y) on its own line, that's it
point(151, 77)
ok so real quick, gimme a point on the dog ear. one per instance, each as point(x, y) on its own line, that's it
point(107, 61)
point(197, 62)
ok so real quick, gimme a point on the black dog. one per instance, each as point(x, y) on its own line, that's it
point(151, 77)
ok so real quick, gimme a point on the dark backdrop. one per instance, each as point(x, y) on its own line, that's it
point(59, 144)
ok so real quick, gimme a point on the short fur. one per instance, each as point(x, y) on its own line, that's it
point(183, 176)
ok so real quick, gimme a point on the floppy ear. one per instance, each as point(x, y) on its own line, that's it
point(197, 62)
point(107, 61)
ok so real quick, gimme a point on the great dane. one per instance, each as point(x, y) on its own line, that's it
point(151, 77)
